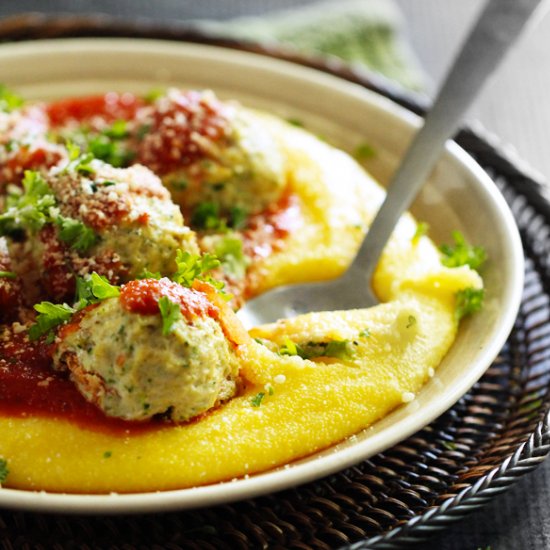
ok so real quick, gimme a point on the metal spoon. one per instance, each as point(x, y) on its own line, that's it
point(499, 25)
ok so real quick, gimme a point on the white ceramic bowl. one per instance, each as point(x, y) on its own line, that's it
point(459, 195)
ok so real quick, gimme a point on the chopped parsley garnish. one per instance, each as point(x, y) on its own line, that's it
point(76, 234)
point(49, 317)
point(34, 207)
point(93, 290)
point(146, 274)
point(28, 209)
point(109, 147)
point(192, 266)
point(207, 215)
point(411, 321)
point(462, 253)
point(107, 454)
point(154, 94)
point(179, 184)
point(96, 185)
point(421, 230)
point(88, 291)
point(4, 471)
point(142, 131)
point(339, 349)
point(237, 217)
point(170, 313)
point(78, 161)
point(468, 301)
point(9, 101)
point(365, 333)
point(229, 249)
point(73, 150)
point(102, 288)
point(8, 275)
point(84, 295)
point(291, 348)
point(10, 145)
point(256, 401)
point(117, 130)
point(295, 122)
point(364, 151)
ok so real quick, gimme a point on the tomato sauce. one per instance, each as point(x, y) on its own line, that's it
point(28, 158)
point(266, 231)
point(170, 140)
point(142, 296)
point(29, 386)
point(109, 107)
point(58, 280)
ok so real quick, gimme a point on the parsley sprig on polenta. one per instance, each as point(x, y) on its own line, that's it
point(462, 253)
point(339, 349)
point(468, 300)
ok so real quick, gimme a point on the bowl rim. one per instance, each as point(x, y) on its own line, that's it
point(299, 473)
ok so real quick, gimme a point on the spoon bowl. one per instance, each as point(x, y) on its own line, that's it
point(346, 292)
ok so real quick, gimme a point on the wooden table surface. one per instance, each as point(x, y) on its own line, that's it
point(515, 107)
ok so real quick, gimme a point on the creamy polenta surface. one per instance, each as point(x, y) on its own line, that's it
point(158, 384)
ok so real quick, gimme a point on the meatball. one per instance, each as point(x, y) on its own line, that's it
point(117, 222)
point(24, 144)
point(206, 150)
point(123, 359)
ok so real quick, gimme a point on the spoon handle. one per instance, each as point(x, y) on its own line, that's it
point(499, 25)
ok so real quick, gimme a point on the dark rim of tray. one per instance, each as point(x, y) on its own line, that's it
point(496, 433)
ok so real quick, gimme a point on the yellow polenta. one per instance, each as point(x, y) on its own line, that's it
point(307, 405)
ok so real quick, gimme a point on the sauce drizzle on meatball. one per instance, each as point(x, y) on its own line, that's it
point(142, 297)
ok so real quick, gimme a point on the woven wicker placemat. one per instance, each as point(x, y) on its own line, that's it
point(496, 433)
